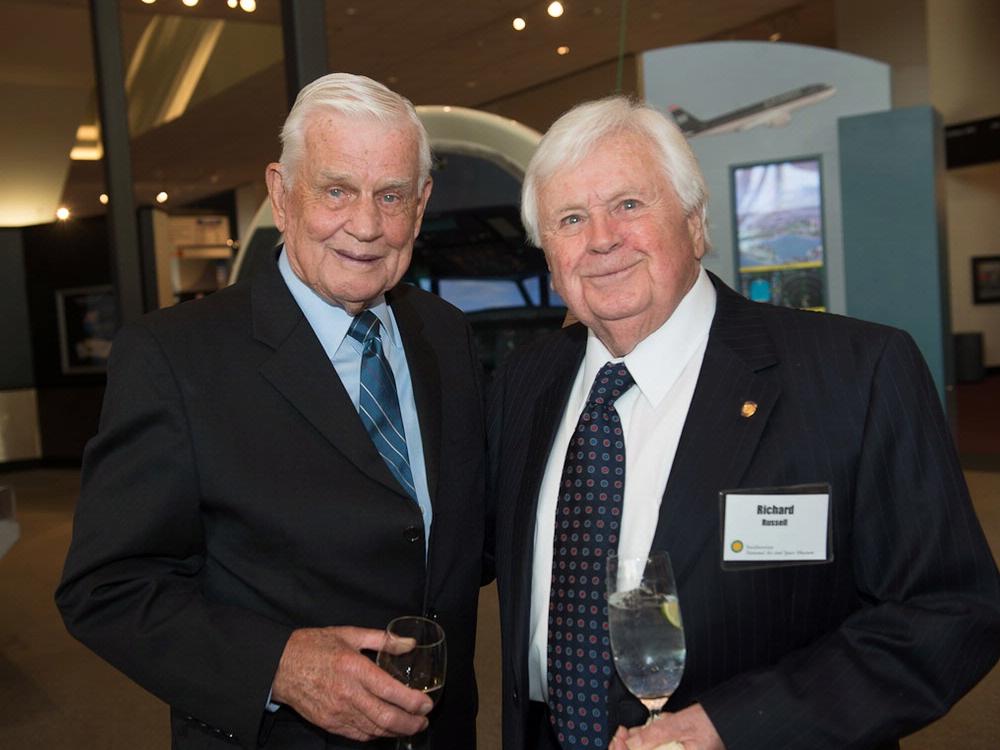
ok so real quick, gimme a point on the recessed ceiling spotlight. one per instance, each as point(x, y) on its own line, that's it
point(248, 5)
point(775, 37)
point(103, 198)
point(149, 2)
point(564, 50)
point(233, 3)
point(519, 24)
point(62, 213)
point(161, 197)
point(555, 9)
point(190, 3)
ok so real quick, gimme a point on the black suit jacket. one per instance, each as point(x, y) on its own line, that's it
point(233, 495)
point(850, 654)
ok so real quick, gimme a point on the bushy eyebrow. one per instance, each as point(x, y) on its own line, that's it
point(618, 195)
point(402, 184)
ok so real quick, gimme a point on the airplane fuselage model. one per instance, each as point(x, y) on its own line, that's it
point(774, 111)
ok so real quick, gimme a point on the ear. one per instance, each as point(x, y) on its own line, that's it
point(425, 195)
point(696, 231)
point(276, 192)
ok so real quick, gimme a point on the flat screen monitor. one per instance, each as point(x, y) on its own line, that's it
point(778, 209)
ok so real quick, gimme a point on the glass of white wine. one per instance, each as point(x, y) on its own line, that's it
point(422, 665)
point(647, 634)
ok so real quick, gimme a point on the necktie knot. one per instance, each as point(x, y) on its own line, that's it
point(611, 382)
point(365, 328)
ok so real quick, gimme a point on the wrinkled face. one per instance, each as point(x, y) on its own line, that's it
point(352, 209)
point(621, 251)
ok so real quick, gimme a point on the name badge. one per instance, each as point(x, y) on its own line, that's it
point(776, 526)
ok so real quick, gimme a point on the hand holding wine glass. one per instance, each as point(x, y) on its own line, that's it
point(414, 652)
point(647, 634)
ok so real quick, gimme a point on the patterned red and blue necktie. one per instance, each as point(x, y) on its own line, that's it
point(588, 519)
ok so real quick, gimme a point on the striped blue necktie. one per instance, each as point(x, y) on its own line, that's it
point(378, 405)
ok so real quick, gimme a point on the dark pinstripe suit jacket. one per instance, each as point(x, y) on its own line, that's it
point(850, 654)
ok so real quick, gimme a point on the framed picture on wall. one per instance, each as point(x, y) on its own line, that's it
point(986, 279)
point(778, 222)
point(88, 318)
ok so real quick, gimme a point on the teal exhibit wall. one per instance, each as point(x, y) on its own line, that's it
point(895, 262)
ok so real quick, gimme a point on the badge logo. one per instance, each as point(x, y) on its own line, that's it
point(736, 546)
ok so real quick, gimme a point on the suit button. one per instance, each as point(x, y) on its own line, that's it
point(412, 533)
point(515, 697)
point(432, 614)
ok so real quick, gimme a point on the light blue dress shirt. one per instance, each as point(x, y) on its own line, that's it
point(330, 323)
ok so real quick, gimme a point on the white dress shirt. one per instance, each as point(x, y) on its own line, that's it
point(665, 366)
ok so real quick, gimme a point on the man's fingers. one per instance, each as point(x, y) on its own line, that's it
point(395, 644)
point(359, 639)
point(387, 688)
point(387, 719)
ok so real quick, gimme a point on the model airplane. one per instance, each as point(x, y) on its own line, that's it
point(775, 111)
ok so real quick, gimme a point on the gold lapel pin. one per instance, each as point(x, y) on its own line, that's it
point(749, 409)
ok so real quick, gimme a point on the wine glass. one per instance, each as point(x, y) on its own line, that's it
point(647, 634)
point(414, 652)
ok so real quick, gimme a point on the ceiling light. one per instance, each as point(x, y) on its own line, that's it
point(62, 213)
point(248, 5)
point(149, 2)
point(776, 36)
point(555, 9)
point(519, 24)
point(103, 198)
point(161, 197)
point(233, 3)
point(564, 50)
point(190, 3)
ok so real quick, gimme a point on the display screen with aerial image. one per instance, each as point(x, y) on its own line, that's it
point(779, 232)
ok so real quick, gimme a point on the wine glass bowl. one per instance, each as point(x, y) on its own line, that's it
point(415, 653)
point(645, 626)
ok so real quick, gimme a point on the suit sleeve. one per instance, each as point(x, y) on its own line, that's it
point(131, 587)
point(928, 625)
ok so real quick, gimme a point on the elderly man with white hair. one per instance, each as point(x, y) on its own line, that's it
point(291, 463)
point(834, 584)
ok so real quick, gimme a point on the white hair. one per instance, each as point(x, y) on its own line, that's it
point(354, 96)
point(578, 132)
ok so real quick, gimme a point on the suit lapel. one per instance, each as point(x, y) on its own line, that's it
point(718, 440)
point(544, 415)
point(300, 370)
point(425, 379)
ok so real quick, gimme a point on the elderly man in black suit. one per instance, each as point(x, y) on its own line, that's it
point(287, 465)
point(864, 617)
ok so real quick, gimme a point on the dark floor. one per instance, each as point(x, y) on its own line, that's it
point(54, 694)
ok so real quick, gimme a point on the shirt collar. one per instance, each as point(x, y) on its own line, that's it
point(329, 321)
point(660, 358)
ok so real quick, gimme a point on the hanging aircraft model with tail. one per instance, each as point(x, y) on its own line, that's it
point(775, 111)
